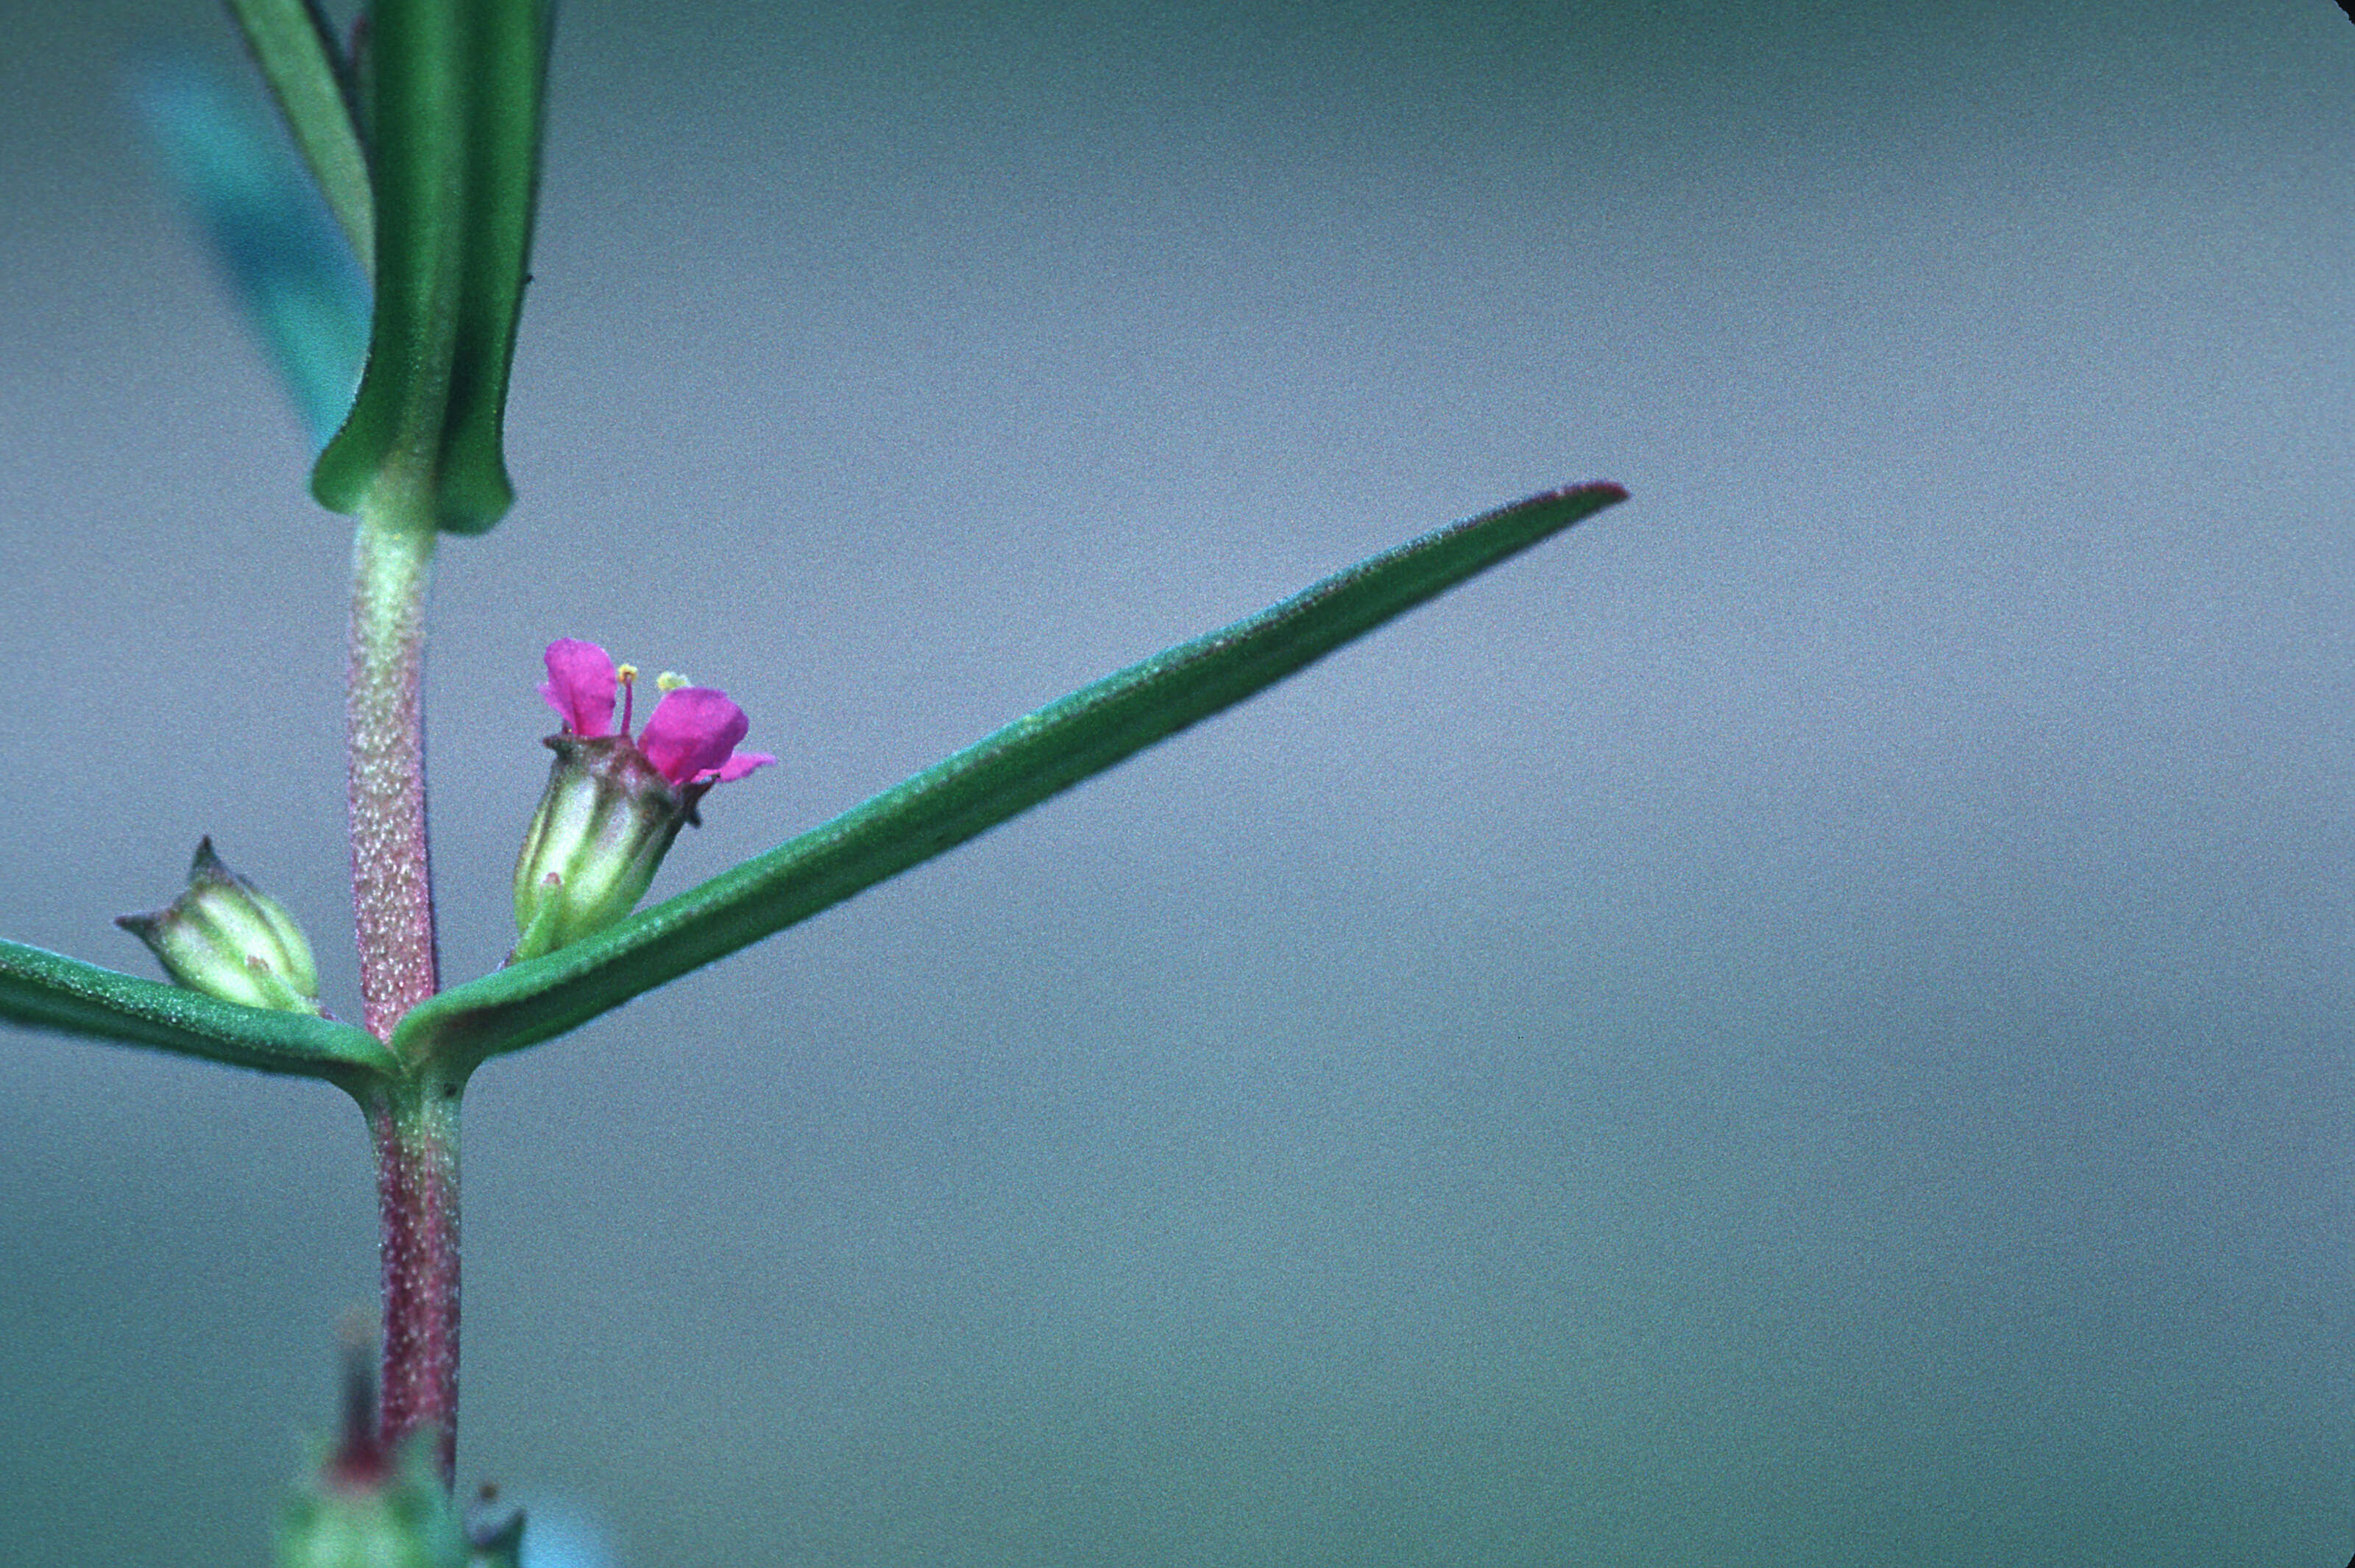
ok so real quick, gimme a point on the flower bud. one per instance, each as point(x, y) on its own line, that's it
point(400, 1518)
point(608, 818)
point(366, 1505)
point(229, 939)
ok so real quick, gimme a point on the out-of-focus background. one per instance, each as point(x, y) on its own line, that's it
point(1807, 1022)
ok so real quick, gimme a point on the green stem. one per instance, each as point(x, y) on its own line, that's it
point(392, 884)
point(414, 1125)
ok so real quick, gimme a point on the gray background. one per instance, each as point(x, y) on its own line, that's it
point(1805, 1023)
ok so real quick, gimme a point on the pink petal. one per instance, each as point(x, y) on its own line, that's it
point(581, 686)
point(736, 767)
point(692, 732)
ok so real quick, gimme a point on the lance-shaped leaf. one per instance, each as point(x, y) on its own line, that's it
point(999, 778)
point(454, 98)
point(48, 990)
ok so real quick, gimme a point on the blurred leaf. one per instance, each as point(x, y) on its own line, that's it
point(296, 276)
point(48, 990)
point(453, 117)
point(999, 778)
point(296, 51)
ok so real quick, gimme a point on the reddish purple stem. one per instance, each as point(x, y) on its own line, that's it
point(413, 1122)
point(417, 1192)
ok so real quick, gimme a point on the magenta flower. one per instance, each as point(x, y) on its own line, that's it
point(615, 803)
point(691, 737)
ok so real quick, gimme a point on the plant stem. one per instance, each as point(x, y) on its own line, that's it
point(413, 1118)
point(414, 1125)
point(392, 881)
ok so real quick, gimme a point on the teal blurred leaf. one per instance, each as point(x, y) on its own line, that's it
point(452, 109)
point(999, 778)
point(296, 51)
point(304, 294)
point(49, 991)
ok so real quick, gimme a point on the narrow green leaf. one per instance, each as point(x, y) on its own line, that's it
point(453, 138)
point(999, 778)
point(302, 291)
point(295, 49)
point(48, 990)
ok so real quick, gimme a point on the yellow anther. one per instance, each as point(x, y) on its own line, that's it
point(671, 680)
point(625, 672)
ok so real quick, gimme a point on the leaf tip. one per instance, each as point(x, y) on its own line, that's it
point(1601, 492)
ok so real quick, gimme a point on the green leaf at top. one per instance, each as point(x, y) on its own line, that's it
point(48, 990)
point(999, 777)
point(453, 115)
